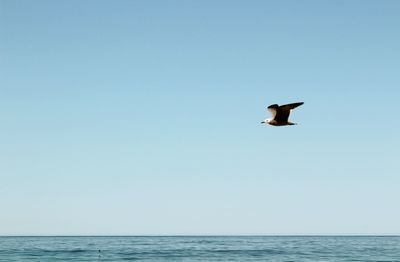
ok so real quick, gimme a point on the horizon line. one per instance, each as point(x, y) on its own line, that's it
point(217, 235)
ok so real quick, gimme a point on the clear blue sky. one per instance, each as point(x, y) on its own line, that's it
point(143, 117)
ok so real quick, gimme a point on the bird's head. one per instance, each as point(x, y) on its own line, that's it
point(266, 121)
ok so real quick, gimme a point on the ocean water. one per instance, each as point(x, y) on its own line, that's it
point(269, 248)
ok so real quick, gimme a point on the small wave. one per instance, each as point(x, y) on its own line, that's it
point(74, 250)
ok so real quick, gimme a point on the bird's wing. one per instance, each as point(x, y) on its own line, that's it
point(284, 111)
point(273, 109)
point(291, 106)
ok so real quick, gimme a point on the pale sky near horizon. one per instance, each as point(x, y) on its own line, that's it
point(143, 117)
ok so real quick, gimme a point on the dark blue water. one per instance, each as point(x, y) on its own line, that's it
point(200, 248)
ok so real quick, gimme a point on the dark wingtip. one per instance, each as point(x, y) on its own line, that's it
point(294, 105)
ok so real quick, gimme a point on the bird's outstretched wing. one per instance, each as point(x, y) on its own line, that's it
point(283, 111)
point(291, 106)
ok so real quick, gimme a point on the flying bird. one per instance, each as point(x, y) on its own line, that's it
point(280, 114)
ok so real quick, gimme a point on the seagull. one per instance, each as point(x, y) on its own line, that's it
point(280, 114)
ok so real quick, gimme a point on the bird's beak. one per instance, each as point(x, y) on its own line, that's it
point(262, 122)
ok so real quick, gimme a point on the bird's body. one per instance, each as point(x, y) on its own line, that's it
point(280, 114)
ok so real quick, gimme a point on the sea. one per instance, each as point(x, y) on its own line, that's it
point(201, 248)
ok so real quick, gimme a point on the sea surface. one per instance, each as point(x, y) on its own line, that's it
point(179, 248)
